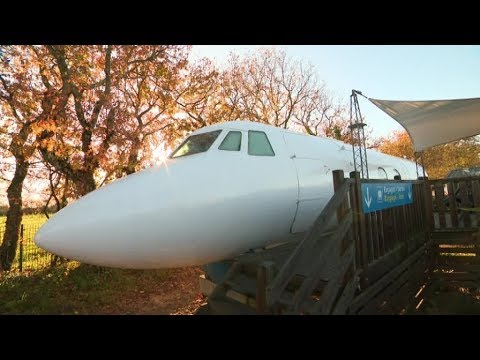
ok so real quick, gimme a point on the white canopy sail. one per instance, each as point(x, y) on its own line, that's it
point(431, 123)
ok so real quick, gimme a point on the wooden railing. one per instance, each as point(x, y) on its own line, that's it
point(391, 249)
point(359, 265)
point(452, 202)
point(348, 262)
point(388, 236)
point(318, 277)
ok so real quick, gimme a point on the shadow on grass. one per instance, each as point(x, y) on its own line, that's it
point(72, 288)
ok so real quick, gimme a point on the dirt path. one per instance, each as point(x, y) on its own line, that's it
point(178, 294)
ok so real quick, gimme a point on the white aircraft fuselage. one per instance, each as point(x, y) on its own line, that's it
point(228, 188)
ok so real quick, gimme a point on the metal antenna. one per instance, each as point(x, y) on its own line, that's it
point(358, 136)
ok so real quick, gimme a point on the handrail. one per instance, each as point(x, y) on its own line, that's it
point(318, 228)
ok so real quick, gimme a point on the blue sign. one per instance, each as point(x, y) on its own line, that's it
point(379, 196)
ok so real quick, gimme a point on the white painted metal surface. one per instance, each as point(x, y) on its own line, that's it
point(208, 206)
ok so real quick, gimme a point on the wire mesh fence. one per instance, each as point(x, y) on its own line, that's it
point(29, 257)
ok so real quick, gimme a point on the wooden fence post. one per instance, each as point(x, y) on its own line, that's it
point(338, 180)
point(428, 203)
point(265, 274)
point(361, 228)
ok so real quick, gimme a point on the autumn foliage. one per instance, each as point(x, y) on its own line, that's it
point(439, 160)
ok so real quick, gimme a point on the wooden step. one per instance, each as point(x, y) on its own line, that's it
point(456, 276)
point(458, 267)
point(204, 310)
point(460, 241)
point(243, 284)
point(444, 260)
point(438, 284)
point(456, 250)
point(226, 306)
point(467, 236)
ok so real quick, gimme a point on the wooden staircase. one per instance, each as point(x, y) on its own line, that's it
point(393, 261)
point(313, 276)
point(455, 258)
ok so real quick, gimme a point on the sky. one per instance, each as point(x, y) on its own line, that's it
point(419, 72)
point(393, 72)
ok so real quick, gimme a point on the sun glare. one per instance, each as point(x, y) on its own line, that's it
point(160, 157)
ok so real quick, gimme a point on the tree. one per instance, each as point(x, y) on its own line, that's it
point(70, 103)
point(438, 160)
point(265, 86)
point(149, 102)
point(22, 106)
point(271, 88)
point(201, 99)
point(93, 134)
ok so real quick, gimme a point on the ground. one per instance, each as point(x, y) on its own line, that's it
point(179, 294)
point(73, 288)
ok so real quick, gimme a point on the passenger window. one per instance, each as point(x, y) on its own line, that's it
point(258, 144)
point(232, 141)
point(382, 174)
point(397, 175)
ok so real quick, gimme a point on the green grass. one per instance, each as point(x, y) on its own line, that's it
point(68, 287)
point(27, 220)
point(33, 257)
point(73, 288)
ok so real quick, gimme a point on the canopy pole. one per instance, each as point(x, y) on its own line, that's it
point(419, 156)
point(356, 127)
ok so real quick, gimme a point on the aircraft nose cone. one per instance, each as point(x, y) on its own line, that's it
point(114, 225)
point(44, 237)
point(64, 236)
point(176, 215)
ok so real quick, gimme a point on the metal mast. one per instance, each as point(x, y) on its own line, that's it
point(358, 136)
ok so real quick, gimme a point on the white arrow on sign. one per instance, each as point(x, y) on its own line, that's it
point(410, 194)
point(368, 199)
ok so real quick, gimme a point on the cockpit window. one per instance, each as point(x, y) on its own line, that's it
point(196, 144)
point(258, 144)
point(232, 141)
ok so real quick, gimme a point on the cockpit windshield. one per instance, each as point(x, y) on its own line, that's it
point(196, 144)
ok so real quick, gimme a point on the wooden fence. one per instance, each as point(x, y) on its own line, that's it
point(452, 202)
point(390, 252)
point(370, 263)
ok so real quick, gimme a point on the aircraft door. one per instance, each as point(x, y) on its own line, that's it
point(314, 181)
point(314, 174)
point(265, 172)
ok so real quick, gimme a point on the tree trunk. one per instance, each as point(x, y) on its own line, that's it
point(14, 216)
point(84, 183)
point(133, 160)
